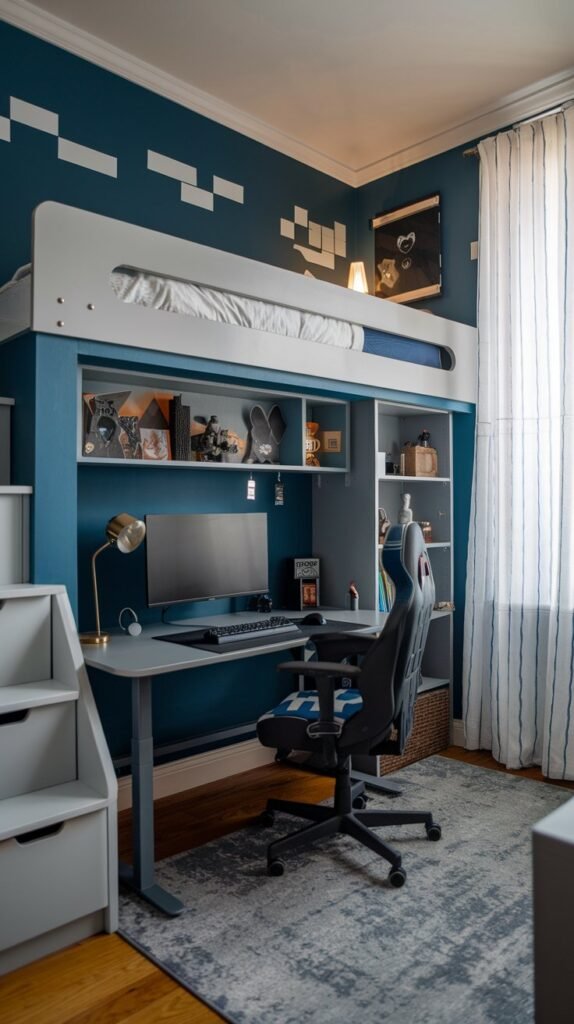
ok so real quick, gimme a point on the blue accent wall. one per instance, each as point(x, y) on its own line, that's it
point(105, 112)
point(102, 111)
point(455, 178)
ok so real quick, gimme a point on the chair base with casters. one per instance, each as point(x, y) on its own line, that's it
point(343, 817)
point(362, 702)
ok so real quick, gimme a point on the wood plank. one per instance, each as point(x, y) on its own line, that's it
point(54, 990)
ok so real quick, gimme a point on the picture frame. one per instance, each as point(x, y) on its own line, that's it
point(407, 251)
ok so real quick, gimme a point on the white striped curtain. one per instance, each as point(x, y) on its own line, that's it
point(518, 666)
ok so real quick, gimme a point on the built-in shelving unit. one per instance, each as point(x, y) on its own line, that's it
point(58, 792)
point(231, 404)
point(349, 509)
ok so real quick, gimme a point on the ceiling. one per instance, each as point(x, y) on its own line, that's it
point(354, 88)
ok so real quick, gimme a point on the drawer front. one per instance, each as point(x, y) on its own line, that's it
point(25, 640)
point(47, 882)
point(37, 748)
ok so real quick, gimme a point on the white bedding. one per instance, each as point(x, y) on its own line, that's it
point(210, 304)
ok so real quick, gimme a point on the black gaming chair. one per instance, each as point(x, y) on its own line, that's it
point(373, 716)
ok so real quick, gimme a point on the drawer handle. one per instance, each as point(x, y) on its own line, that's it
point(40, 833)
point(10, 717)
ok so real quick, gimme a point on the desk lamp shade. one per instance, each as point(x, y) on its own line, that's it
point(126, 533)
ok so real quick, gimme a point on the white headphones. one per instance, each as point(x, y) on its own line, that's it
point(134, 628)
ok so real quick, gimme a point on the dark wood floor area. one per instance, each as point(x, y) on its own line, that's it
point(103, 980)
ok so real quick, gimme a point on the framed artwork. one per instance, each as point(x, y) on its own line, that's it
point(407, 251)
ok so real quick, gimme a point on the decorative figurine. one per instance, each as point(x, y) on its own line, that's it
point(384, 524)
point(214, 442)
point(265, 435)
point(312, 444)
point(424, 439)
point(406, 512)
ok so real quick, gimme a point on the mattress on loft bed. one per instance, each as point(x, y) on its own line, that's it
point(211, 304)
point(184, 297)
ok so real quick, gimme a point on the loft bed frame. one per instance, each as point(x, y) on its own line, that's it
point(68, 293)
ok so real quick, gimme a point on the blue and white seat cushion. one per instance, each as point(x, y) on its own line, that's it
point(286, 724)
point(304, 704)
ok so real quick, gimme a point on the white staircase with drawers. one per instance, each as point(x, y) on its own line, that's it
point(58, 791)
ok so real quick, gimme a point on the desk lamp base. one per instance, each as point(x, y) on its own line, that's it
point(94, 638)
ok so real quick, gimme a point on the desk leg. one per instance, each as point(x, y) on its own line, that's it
point(140, 878)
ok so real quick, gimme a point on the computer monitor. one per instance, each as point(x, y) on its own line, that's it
point(198, 557)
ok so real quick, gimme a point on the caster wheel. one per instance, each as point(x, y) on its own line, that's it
point(275, 868)
point(434, 833)
point(397, 877)
point(360, 802)
point(267, 819)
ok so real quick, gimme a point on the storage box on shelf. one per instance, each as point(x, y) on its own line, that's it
point(58, 847)
point(346, 521)
point(144, 419)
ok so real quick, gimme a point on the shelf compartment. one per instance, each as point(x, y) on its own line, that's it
point(430, 504)
point(25, 640)
point(37, 748)
point(145, 398)
point(333, 418)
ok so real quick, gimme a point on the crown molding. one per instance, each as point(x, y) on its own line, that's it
point(61, 33)
point(524, 103)
point(535, 99)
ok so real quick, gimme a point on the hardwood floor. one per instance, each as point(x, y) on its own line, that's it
point(103, 980)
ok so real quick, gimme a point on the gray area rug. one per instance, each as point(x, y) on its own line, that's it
point(332, 943)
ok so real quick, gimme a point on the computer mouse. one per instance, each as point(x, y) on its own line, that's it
point(313, 619)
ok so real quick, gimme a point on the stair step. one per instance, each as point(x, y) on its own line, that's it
point(34, 695)
point(43, 807)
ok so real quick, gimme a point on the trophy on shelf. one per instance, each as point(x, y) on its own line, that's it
point(312, 444)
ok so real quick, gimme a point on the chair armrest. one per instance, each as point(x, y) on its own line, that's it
point(336, 646)
point(323, 669)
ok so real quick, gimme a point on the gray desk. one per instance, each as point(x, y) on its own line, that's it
point(141, 659)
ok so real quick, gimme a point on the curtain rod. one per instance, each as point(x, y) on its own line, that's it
point(473, 150)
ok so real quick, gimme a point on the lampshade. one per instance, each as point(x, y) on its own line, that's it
point(125, 532)
point(358, 277)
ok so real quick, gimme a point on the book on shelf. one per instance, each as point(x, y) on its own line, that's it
point(386, 589)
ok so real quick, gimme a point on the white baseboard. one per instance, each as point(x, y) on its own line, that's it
point(457, 732)
point(177, 776)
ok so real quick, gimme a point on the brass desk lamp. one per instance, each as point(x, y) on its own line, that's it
point(126, 533)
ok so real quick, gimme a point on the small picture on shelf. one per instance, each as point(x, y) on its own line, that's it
point(155, 444)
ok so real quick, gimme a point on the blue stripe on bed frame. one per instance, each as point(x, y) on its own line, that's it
point(405, 349)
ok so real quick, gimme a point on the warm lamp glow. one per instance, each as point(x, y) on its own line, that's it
point(358, 277)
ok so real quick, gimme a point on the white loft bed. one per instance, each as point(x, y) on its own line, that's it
point(69, 292)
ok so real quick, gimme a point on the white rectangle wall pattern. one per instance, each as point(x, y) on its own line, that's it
point(58, 797)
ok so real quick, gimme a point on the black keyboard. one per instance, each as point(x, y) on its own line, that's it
point(277, 625)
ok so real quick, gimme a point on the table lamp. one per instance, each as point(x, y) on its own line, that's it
point(126, 533)
point(358, 277)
